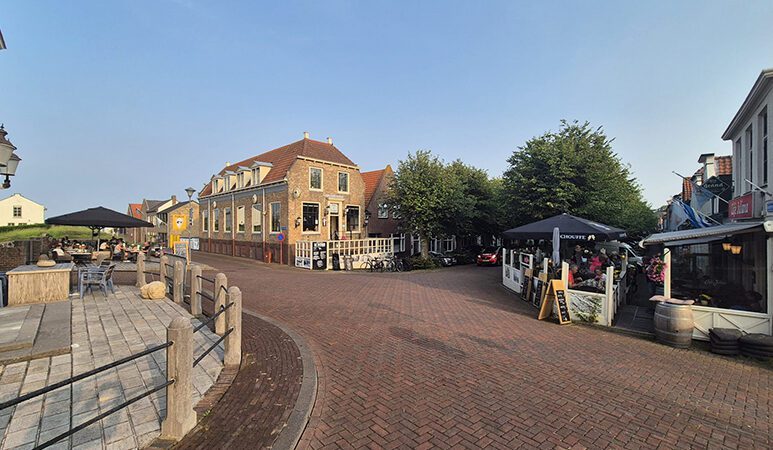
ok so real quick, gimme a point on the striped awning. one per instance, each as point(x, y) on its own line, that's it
point(698, 235)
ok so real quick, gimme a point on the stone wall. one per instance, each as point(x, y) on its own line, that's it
point(17, 253)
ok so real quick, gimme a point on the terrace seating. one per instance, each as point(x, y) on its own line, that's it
point(101, 276)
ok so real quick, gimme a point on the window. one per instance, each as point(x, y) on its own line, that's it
point(720, 279)
point(749, 137)
point(10, 224)
point(399, 242)
point(240, 180)
point(311, 217)
point(257, 218)
point(17, 211)
point(383, 211)
point(396, 212)
point(343, 182)
point(315, 178)
point(255, 176)
point(764, 144)
point(205, 220)
point(276, 222)
point(416, 243)
point(216, 223)
point(240, 219)
point(352, 218)
point(737, 187)
point(227, 219)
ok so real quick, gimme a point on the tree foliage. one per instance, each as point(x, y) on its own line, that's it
point(574, 170)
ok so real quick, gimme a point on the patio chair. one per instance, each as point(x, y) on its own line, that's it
point(96, 276)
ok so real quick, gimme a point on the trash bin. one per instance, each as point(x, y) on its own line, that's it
point(336, 261)
point(348, 260)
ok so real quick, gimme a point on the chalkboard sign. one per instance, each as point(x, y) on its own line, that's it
point(563, 307)
point(556, 295)
point(538, 292)
point(526, 286)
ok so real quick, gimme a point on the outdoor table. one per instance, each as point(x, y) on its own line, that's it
point(33, 284)
point(81, 257)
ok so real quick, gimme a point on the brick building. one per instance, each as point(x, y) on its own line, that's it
point(260, 207)
point(181, 221)
point(135, 235)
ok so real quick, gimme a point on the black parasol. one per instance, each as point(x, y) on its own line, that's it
point(571, 228)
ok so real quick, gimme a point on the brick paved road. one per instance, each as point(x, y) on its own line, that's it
point(448, 358)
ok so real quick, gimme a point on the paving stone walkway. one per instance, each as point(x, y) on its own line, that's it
point(103, 330)
point(450, 359)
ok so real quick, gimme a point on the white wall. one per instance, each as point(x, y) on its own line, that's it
point(31, 212)
point(741, 159)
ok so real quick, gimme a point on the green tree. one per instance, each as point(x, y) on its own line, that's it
point(427, 195)
point(481, 213)
point(576, 171)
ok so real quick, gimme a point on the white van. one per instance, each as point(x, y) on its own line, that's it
point(623, 249)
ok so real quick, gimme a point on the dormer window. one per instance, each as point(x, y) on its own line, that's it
point(240, 180)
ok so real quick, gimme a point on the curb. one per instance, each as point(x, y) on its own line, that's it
point(296, 424)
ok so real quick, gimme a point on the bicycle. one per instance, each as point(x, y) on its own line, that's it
point(372, 264)
point(393, 264)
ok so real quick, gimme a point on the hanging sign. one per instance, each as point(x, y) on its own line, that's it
point(556, 295)
point(741, 207)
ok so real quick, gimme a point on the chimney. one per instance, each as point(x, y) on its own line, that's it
point(174, 199)
point(330, 141)
point(709, 168)
point(305, 134)
point(227, 163)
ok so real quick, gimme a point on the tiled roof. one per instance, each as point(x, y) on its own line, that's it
point(372, 180)
point(154, 204)
point(136, 210)
point(176, 206)
point(686, 189)
point(724, 165)
point(283, 157)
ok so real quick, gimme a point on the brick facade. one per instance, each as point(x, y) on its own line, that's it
point(290, 190)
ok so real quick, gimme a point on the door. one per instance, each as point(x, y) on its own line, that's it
point(334, 220)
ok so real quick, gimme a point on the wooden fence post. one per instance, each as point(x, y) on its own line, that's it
point(140, 270)
point(180, 417)
point(195, 291)
point(178, 282)
point(162, 270)
point(221, 285)
point(233, 315)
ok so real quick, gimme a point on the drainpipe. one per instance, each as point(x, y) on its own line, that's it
point(209, 225)
point(263, 223)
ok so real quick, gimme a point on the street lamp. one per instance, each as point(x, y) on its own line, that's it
point(190, 191)
point(8, 159)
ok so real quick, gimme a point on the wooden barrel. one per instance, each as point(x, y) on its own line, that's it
point(674, 325)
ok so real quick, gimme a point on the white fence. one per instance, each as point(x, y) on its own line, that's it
point(358, 249)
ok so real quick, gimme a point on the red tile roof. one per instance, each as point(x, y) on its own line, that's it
point(136, 210)
point(283, 157)
point(372, 180)
point(724, 165)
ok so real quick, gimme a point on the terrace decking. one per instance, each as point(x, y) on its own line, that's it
point(103, 330)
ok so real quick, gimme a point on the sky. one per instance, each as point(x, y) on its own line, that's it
point(112, 102)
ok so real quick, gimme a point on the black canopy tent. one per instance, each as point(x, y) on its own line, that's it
point(98, 218)
point(571, 228)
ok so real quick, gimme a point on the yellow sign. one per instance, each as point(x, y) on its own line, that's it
point(179, 222)
point(556, 295)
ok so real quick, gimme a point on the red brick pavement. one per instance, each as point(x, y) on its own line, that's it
point(259, 401)
point(450, 359)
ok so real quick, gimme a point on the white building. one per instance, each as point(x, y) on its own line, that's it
point(19, 210)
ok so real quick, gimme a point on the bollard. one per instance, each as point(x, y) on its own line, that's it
point(220, 297)
point(195, 290)
point(141, 270)
point(178, 282)
point(180, 417)
point(233, 318)
point(162, 270)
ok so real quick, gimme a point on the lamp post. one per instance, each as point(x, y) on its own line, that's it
point(8, 159)
point(190, 191)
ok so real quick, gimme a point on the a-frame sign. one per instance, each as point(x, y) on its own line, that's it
point(556, 294)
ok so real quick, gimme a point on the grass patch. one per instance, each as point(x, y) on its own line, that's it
point(24, 232)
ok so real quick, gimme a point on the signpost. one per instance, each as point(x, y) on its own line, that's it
point(280, 237)
point(556, 295)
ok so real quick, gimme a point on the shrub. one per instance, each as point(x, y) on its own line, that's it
point(419, 263)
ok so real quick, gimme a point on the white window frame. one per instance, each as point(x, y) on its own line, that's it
point(359, 218)
point(257, 208)
point(255, 176)
point(14, 211)
point(763, 152)
point(216, 220)
point(227, 224)
point(396, 212)
point(271, 217)
point(398, 242)
point(321, 179)
point(319, 218)
point(338, 182)
point(240, 220)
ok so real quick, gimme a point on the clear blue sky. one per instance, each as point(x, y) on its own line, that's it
point(110, 102)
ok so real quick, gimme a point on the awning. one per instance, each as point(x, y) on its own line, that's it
point(571, 228)
point(699, 235)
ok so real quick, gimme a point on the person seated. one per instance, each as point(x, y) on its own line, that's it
point(104, 246)
point(60, 255)
point(573, 276)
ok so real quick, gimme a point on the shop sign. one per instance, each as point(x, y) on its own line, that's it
point(741, 207)
point(715, 186)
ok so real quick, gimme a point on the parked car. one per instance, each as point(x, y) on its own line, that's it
point(622, 248)
point(490, 255)
point(444, 260)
